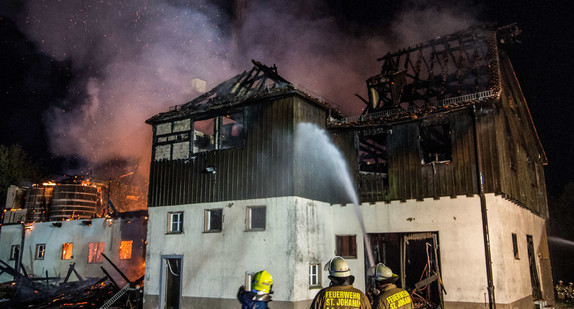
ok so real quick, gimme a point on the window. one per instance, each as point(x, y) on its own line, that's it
point(515, 246)
point(231, 134)
point(213, 220)
point(175, 222)
point(40, 251)
point(95, 250)
point(14, 252)
point(373, 153)
point(126, 249)
point(67, 249)
point(435, 143)
point(256, 218)
point(314, 275)
point(346, 246)
point(221, 132)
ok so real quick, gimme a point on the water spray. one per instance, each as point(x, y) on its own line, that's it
point(314, 141)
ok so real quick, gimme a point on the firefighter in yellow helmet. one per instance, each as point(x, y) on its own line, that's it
point(259, 295)
point(340, 294)
point(390, 296)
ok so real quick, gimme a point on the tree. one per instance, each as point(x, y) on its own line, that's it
point(16, 168)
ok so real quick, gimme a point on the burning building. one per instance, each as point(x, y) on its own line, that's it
point(445, 159)
point(56, 238)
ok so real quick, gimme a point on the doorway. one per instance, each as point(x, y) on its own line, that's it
point(415, 257)
point(171, 279)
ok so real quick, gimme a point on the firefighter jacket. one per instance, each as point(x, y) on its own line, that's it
point(393, 297)
point(340, 297)
point(250, 300)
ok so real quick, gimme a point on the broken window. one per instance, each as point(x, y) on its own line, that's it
point(221, 132)
point(314, 276)
point(256, 218)
point(515, 246)
point(67, 249)
point(95, 250)
point(373, 154)
point(232, 131)
point(347, 246)
point(204, 135)
point(175, 222)
point(40, 251)
point(213, 220)
point(14, 252)
point(126, 249)
point(435, 143)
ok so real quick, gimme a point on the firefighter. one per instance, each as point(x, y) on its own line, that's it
point(340, 294)
point(390, 295)
point(560, 290)
point(259, 296)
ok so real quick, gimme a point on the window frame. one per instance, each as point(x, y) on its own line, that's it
point(515, 246)
point(40, 252)
point(122, 252)
point(170, 222)
point(99, 250)
point(426, 148)
point(65, 246)
point(14, 251)
point(207, 215)
point(316, 276)
point(249, 220)
point(352, 248)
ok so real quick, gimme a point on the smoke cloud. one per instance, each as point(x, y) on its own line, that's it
point(133, 59)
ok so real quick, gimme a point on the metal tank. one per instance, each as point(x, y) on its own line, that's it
point(74, 201)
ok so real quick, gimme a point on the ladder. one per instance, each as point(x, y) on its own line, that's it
point(114, 298)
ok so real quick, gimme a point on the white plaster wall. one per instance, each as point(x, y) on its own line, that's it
point(70, 231)
point(215, 263)
point(512, 276)
point(459, 226)
point(301, 231)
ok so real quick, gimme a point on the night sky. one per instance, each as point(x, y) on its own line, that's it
point(79, 78)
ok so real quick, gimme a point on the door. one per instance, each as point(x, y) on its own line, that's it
point(171, 280)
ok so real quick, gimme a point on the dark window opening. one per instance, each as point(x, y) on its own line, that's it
point(221, 132)
point(535, 280)
point(40, 251)
point(14, 252)
point(373, 154)
point(515, 246)
point(347, 246)
point(213, 220)
point(436, 144)
point(256, 218)
point(232, 131)
point(511, 146)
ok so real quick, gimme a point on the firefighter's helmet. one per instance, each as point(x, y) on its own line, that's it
point(262, 282)
point(338, 267)
point(382, 273)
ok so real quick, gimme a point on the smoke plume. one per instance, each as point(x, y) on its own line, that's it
point(132, 59)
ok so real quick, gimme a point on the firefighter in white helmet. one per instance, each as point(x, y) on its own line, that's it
point(259, 295)
point(390, 296)
point(340, 294)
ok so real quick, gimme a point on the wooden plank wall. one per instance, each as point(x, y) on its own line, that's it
point(264, 167)
point(409, 178)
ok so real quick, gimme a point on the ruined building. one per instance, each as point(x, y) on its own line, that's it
point(64, 243)
point(445, 159)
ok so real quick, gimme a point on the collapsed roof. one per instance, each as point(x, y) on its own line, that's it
point(448, 71)
point(259, 82)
